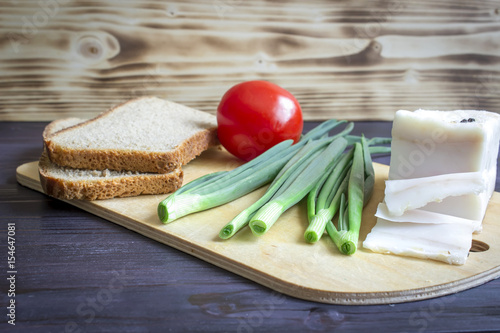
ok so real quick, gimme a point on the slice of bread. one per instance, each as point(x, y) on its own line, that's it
point(146, 134)
point(58, 125)
point(68, 183)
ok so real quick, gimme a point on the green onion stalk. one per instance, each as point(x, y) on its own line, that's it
point(346, 190)
point(323, 205)
point(219, 188)
point(290, 171)
point(297, 187)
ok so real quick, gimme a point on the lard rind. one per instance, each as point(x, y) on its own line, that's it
point(429, 143)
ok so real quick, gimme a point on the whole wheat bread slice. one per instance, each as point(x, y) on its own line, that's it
point(68, 183)
point(146, 134)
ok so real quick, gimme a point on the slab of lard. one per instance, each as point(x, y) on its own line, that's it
point(429, 143)
point(423, 216)
point(402, 195)
point(447, 242)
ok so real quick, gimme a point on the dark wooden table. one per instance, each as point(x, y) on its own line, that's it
point(79, 273)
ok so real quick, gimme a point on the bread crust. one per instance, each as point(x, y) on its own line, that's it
point(107, 188)
point(140, 161)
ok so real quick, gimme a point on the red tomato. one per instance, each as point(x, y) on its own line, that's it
point(253, 116)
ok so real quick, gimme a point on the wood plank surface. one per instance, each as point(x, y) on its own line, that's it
point(360, 59)
point(283, 261)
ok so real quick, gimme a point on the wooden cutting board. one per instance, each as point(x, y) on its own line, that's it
point(283, 261)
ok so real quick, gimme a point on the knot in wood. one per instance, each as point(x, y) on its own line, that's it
point(96, 47)
point(90, 48)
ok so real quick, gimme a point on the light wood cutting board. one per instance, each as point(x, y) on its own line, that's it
point(283, 261)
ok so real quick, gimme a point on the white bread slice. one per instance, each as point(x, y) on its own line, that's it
point(67, 183)
point(146, 134)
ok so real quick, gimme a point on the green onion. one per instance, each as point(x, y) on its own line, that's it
point(379, 141)
point(290, 170)
point(339, 237)
point(355, 196)
point(210, 194)
point(296, 188)
point(346, 238)
point(200, 181)
point(323, 214)
point(345, 190)
point(218, 189)
point(323, 200)
point(369, 172)
point(379, 150)
point(311, 198)
point(334, 179)
point(352, 139)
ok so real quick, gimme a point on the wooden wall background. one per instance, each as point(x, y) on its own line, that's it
point(356, 59)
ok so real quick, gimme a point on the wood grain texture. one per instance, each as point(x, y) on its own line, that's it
point(69, 257)
point(361, 59)
point(283, 261)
